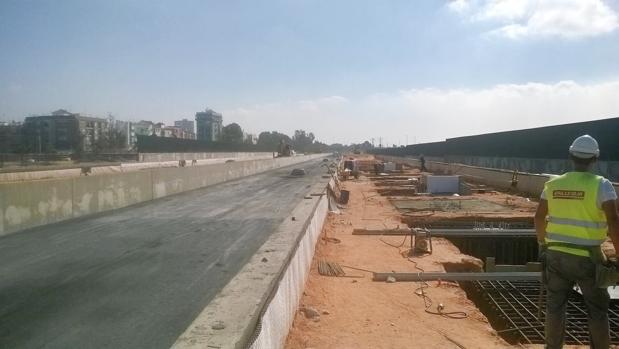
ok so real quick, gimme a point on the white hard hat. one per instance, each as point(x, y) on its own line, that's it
point(585, 147)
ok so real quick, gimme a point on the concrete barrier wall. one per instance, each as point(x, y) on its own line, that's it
point(158, 157)
point(279, 313)
point(29, 204)
point(35, 175)
point(258, 305)
point(36, 203)
point(102, 193)
point(155, 160)
point(530, 183)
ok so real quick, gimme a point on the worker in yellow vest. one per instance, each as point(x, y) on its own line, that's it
point(576, 212)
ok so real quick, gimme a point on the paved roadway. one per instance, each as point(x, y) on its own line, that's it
point(138, 276)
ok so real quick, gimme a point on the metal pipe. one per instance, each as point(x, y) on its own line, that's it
point(528, 275)
point(483, 232)
point(398, 231)
point(451, 232)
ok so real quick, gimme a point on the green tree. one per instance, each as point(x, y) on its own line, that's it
point(317, 147)
point(338, 147)
point(270, 140)
point(232, 133)
point(302, 141)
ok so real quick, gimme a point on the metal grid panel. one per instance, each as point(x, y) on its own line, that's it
point(512, 307)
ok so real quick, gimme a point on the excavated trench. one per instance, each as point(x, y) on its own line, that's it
point(506, 250)
point(517, 250)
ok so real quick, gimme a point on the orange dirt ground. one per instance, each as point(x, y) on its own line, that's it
point(356, 312)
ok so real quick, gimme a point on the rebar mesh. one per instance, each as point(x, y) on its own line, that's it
point(512, 308)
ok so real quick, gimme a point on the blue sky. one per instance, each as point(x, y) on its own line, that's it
point(346, 70)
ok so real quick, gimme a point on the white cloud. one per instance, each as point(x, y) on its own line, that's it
point(517, 19)
point(506, 10)
point(460, 6)
point(431, 114)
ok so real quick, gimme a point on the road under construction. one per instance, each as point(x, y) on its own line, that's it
point(356, 251)
point(137, 277)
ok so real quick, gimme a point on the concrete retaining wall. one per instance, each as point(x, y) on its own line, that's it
point(530, 183)
point(29, 204)
point(158, 157)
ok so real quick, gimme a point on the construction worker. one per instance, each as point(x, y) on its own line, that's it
point(575, 213)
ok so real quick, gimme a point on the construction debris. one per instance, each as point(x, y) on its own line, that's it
point(297, 172)
point(310, 313)
point(327, 268)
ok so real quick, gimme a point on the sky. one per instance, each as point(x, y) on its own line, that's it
point(393, 71)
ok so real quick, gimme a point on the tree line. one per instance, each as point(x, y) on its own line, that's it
point(301, 141)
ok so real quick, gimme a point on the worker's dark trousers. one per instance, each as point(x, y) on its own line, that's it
point(563, 270)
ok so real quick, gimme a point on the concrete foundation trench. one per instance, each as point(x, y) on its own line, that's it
point(512, 307)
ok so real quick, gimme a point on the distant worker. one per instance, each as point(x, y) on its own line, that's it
point(575, 213)
point(423, 163)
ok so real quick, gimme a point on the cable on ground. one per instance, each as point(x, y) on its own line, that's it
point(420, 290)
point(392, 245)
point(427, 301)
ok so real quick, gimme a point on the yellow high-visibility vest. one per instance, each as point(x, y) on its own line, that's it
point(573, 216)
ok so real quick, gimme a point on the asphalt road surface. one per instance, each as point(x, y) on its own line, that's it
point(137, 277)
